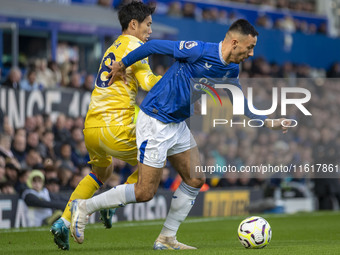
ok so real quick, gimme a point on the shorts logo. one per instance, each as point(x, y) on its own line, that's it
point(190, 44)
point(154, 156)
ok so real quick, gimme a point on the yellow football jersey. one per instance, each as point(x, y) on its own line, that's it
point(114, 105)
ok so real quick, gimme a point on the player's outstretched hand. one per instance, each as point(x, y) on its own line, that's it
point(278, 124)
point(117, 69)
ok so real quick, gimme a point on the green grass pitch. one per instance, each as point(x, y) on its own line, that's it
point(307, 233)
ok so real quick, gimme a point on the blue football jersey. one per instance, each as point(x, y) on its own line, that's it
point(172, 98)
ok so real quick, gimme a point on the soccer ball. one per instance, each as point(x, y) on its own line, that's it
point(254, 232)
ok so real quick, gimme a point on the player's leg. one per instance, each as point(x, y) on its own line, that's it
point(152, 150)
point(102, 175)
point(133, 178)
point(142, 191)
point(88, 186)
point(107, 214)
point(124, 149)
point(101, 170)
point(185, 195)
point(187, 191)
point(85, 189)
point(118, 142)
point(182, 201)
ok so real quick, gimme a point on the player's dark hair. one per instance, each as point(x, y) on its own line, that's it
point(243, 27)
point(134, 10)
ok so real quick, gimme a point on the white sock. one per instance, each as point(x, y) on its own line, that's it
point(113, 198)
point(66, 222)
point(181, 204)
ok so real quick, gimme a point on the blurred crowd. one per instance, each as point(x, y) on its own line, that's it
point(315, 140)
point(293, 5)
point(40, 74)
point(57, 149)
point(291, 25)
point(216, 12)
point(221, 16)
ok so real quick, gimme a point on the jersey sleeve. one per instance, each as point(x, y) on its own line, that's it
point(144, 75)
point(180, 50)
point(189, 51)
point(142, 71)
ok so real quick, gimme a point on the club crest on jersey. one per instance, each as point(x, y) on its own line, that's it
point(190, 44)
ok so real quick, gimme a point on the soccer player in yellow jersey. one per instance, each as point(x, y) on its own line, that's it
point(109, 125)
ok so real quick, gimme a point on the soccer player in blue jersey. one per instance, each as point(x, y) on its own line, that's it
point(162, 132)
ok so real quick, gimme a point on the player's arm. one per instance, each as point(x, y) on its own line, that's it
point(144, 75)
point(180, 50)
point(34, 201)
point(163, 47)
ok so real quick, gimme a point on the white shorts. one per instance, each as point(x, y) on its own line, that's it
point(157, 140)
